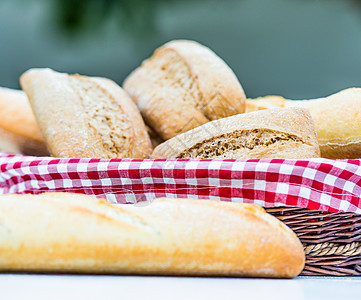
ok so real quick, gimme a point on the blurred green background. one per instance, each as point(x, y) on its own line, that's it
point(295, 48)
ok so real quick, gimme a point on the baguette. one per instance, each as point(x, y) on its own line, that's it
point(19, 132)
point(62, 232)
point(85, 117)
point(182, 86)
point(274, 133)
point(337, 120)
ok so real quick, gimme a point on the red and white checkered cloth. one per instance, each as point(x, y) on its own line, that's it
point(323, 184)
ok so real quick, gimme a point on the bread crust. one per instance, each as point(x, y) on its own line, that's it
point(16, 115)
point(274, 133)
point(266, 102)
point(60, 232)
point(76, 115)
point(337, 120)
point(338, 123)
point(216, 92)
point(19, 132)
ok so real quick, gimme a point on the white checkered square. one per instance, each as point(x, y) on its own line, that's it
point(260, 185)
point(146, 165)
point(286, 169)
point(62, 168)
point(238, 166)
point(309, 173)
point(282, 188)
point(85, 182)
point(344, 205)
point(349, 186)
point(81, 167)
point(304, 192)
point(262, 167)
point(67, 183)
point(42, 169)
point(102, 166)
point(106, 181)
point(330, 179)
point(214, 181)
point(147, 180)
point(325, 199)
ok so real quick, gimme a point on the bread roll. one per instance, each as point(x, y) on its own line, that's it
point(19, 132)
point(274, 133)
point(61, 232)
point(184, 85)
point(85, 117)
point(265, 103)
point(337, 119)
point(9, 142)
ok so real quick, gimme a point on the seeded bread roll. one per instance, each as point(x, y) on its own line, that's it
point(273, 133)
point(61, 232)
point(184, 85)
point(19, 132)
point(85, 117)
point(337, 120)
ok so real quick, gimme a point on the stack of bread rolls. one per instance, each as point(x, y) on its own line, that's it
point(183, 102)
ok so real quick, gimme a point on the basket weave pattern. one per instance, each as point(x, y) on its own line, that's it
point(332, 241)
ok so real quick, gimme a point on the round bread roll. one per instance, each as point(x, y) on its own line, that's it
point(19, 132)
point(182, 86)
point(85, 117)
point(62, 232)
point(271, 133)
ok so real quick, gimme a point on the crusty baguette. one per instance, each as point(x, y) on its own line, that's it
point(83, 116)
point(184, 85)
point(274, 133)
point(62, 232)
point(19, 132)
point(337, 120)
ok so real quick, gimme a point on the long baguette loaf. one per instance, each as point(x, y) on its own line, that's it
point(274, 133)
point(337, 120)
point(61, 232)
point(82, 116)
point(19, 132)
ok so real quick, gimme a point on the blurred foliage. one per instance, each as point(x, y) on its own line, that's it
point(133, 16)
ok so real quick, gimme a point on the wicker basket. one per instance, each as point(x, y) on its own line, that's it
point(332, 241)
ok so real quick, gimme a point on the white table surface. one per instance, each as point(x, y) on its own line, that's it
point(23, 286)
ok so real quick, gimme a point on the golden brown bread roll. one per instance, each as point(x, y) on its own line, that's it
point(88, 117)
point(62, 232)
point(337, 119)
point(19, 132)
point(266, 102)
point(274, 133)
point(184, 85)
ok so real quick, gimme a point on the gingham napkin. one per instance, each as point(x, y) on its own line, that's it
point(321, 184)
